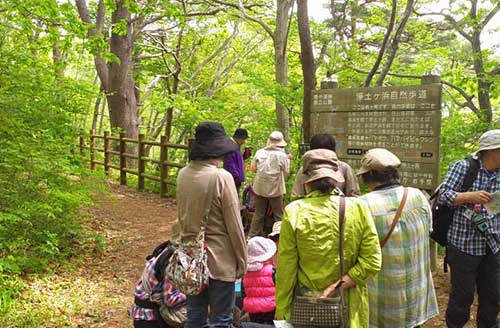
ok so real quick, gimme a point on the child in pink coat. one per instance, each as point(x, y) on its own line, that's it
point(259, 281)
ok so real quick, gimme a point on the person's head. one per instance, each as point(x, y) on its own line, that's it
point(276, 139)
point(240, 136)
point(379, 167)
point(323, 141)
point(275, 233)
point(321, 169)
point(260, 250)
point(489, 149)
point(211, 142)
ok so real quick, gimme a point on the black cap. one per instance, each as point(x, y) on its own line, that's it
point(240, 133)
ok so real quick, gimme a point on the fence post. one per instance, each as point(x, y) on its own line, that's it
point(141, 164)
point(82, 146)
point(123, 160)
point(106, 152)
point(92, 151)
point(163, 166)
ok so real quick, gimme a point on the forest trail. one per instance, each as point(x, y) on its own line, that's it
point(133, 224)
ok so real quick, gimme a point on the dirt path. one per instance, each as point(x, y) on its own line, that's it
point(134, 223)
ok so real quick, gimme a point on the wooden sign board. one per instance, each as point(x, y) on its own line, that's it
point(405, 120)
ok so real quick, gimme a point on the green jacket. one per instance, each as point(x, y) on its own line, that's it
point(308, 252)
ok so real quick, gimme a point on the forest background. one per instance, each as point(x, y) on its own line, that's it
point(159, 67)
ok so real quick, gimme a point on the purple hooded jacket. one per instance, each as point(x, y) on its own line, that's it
point(233, 163)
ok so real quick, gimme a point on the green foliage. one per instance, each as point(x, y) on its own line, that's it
point(39, 188)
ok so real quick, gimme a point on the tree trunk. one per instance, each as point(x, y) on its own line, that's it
point(122, 101)
point(483, 84)
point(393, 49)
point(101, 119)
point(281, 62)
point(97, 104)
point(308, 69)
point(383, 47)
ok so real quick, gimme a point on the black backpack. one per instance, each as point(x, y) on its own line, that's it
point(163, 252)
point(442, 215)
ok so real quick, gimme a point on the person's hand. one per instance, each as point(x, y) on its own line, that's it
point(330, 289)
point(345, 283)
point(475, 197)
point(290, 156)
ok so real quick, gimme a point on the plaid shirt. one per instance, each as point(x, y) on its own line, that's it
point(402, 294)
point(462, 233)
point(148, 289)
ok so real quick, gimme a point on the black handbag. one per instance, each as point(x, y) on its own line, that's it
point(331, 312)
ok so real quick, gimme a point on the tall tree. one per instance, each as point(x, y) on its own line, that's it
point(393, 48)
point(279, 36)
point(115, 68)
point(470, 26)
point(308, 65)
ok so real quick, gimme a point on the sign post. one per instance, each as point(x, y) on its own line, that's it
point(405, 120)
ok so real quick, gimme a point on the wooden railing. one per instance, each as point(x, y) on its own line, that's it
point(140, 158)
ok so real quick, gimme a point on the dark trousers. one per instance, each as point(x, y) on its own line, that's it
point(469, 273)
point(220, 297)
point(261, 204)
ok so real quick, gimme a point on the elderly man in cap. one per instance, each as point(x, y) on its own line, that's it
point(272, 166)
point(233, 162)
point(473, 252)
point(224, 236)
point(402, 294)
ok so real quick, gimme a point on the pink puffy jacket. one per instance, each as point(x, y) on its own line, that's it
point(259, 290)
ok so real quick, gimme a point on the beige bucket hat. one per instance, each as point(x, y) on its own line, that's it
point(321, 163)
point(277, 139)
point(378, 159)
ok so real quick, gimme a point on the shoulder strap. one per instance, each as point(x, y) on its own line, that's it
point(210, 196)
point(344, 313)
point(471, 174)
point(396, 218)
point(341, 234)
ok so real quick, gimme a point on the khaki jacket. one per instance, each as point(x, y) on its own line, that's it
point(272, 167)
point(227, 252)
point(349, 187)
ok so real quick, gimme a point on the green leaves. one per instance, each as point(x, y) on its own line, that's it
point(121, 27)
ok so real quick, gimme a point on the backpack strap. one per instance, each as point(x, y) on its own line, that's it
point(162, 262)
point(212, 183)
point(158, 250)
point(471, 174)
point(396, 218)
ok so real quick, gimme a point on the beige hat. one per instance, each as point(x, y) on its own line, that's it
point(276, 229)
point(321, 163)
point(378, 159)
point(276, 139)
point(489, 140)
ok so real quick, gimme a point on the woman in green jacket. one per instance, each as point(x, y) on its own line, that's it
point(309, 241)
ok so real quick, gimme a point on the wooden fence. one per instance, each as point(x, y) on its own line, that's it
point(163, 163)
